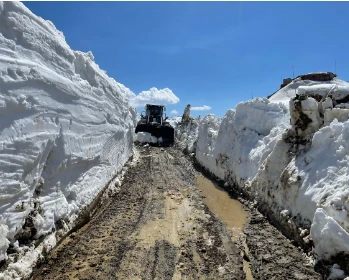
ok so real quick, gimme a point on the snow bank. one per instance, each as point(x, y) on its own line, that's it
point(329, 237)
point(314, 106)
point(316, 88)
point(187, 134)
point(325, 174)
point(4, 242)
point(207, 136)
point(337, 273)
point(304, 179)
point(234, 147)
point(174, 121)
point(291, 154)
point(305, 116)
point(341, 114)
point(66, 128)
point(186, 131)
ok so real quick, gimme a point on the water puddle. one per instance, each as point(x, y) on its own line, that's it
point(227, 209)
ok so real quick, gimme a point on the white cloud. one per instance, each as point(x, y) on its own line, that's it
point(154, 96)
point(202, 108)
point(174, 112)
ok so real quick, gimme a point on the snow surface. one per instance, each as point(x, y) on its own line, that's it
point(336, 273)
point(329, 237)
point(310, 108)
point(187, 133)
point(174, 121)
point(254, 147)
point(146, 137)
point(299, 86)
point(236, 145)
point(66, 128)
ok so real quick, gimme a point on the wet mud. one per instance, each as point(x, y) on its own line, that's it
point(156, 227)
point(169, 222)
point(230, 211)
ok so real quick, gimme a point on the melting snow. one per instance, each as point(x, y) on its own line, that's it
point(253, 146)
point(66, 128)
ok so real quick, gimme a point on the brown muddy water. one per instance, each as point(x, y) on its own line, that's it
point(227, 209)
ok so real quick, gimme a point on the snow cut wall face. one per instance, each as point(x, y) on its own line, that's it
point(234, 147)
point(254, 146)
point(65, 127)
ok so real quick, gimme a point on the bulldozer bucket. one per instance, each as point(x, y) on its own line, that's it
point(164, 132)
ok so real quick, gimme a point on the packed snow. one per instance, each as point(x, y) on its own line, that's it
point(146, 137)
point(289, 152)
point(336, 273)
point(237, 143)
point(298, 86)
point(66, 128)
point(329, 237)
point(187, 133)
point(174, 121)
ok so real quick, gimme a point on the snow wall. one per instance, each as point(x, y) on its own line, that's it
point(301, 179)
point(65, 127)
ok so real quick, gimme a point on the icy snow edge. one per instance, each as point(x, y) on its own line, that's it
point(66, 128)
point(253, 147)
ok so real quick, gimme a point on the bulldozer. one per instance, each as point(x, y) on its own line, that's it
point(153, 121)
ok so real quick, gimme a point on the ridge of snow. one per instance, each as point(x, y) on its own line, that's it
point(229, 144)
point(66, 128)
point(329, 237)
point(187, 132)
point(254, 146)
point(301, 86)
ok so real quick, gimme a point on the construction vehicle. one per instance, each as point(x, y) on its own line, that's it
point(153, 121)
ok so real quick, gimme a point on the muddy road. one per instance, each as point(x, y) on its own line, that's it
point(169, 222)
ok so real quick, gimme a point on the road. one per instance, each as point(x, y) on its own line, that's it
point(159, 226)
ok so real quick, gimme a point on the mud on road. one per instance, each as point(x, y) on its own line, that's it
point(272, 255)
point(158, 227)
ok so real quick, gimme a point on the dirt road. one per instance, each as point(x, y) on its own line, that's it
point(159, 227)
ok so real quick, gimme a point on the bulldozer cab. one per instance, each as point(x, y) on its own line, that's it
point(154, 113)
point(154, 110)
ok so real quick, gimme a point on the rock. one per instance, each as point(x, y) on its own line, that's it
point(186, 114)
point(45, 270)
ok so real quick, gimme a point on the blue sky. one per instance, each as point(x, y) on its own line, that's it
point(208, 53)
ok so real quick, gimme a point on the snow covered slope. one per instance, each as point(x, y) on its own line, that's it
point(299, 86)
point(301, 179)
point(174, 121)
point(234, 147)
point(66, 128)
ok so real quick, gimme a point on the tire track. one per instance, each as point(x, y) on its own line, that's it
point(156, 227)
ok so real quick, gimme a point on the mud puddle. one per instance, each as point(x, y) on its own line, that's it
point(155, 227)
point(228, 210)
